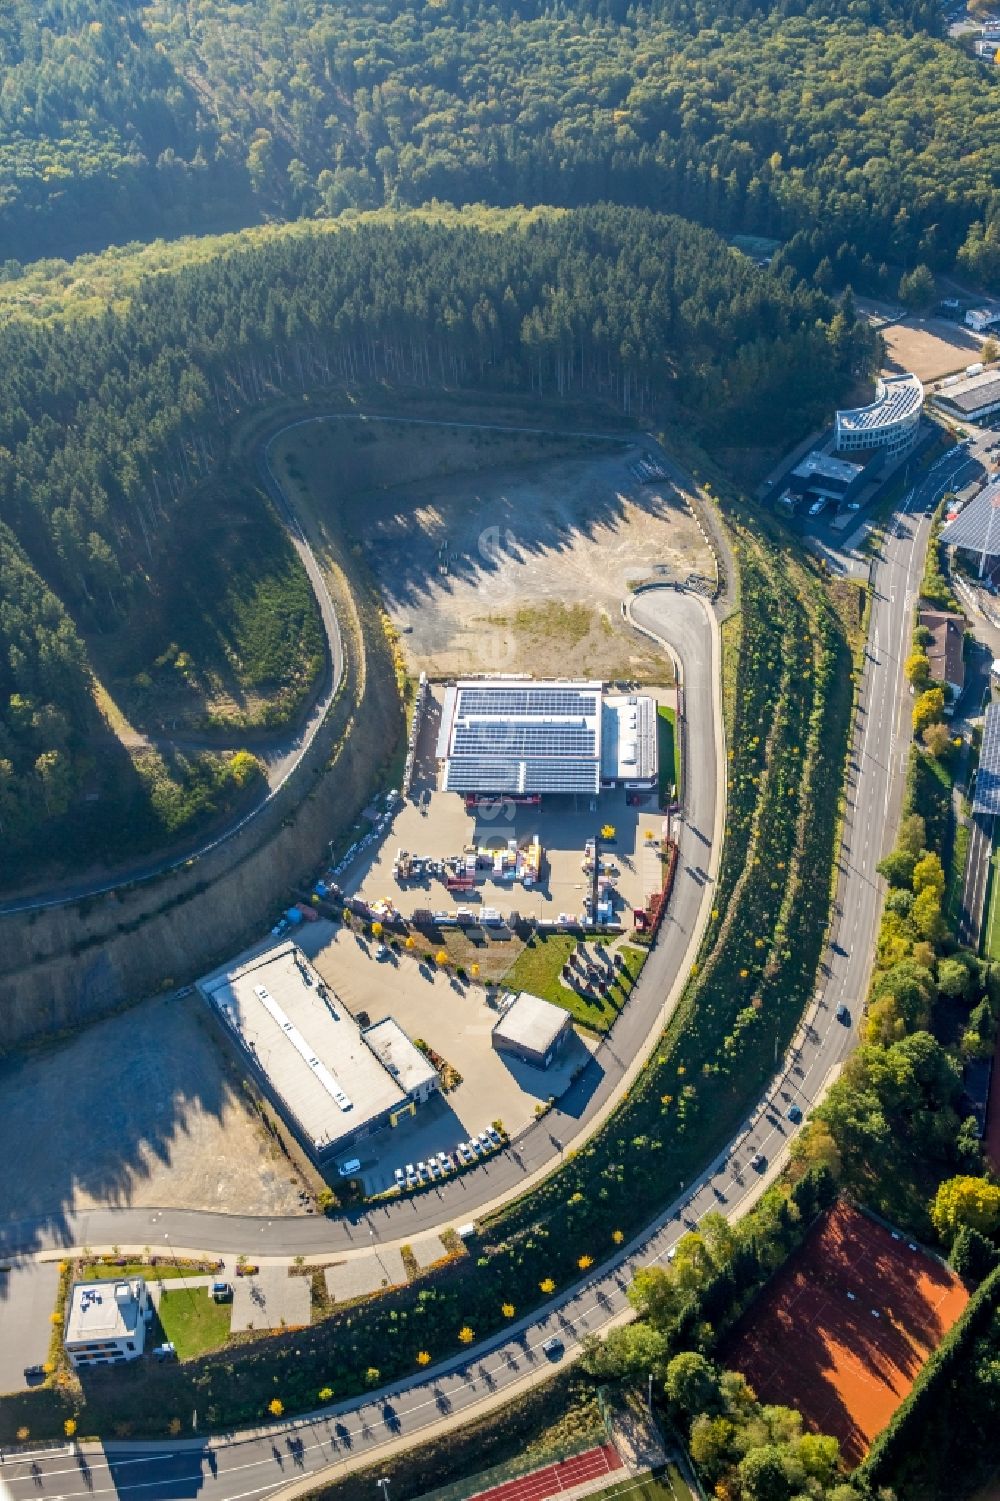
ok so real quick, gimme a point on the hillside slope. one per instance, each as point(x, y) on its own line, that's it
point(850, 124)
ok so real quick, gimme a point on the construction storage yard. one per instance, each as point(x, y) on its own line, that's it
point(499, 551)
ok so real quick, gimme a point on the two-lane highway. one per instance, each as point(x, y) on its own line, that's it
point(352, 1433)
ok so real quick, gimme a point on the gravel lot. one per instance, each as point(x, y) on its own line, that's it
point(138, 1109)
point(523, 569)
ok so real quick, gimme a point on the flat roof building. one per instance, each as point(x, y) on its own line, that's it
point(628, 739)
point(410, 1068)
point(889, 422)
point(326, 1075)
point(531, 1029)
point(820, 474)
point(973, 397)
point(981, 318)
point(106, 1322)
point(518, 738)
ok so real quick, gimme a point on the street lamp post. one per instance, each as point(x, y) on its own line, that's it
point(383, 1484)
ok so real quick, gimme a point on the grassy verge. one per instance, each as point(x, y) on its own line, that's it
point(991, 929)
point(668, 746)
point(193, 1321)
point(956, 874)
point(100, 1271)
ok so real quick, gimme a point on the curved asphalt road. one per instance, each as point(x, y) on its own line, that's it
point(296, 1455)
point(686, 620)
point(281, 763)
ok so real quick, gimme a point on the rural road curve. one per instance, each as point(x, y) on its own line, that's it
point(295, 1455)
point(281, 759)
point(686, 619)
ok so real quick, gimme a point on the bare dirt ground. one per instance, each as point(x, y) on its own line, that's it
point(137, 1110)
point(517, 562)
point(930, 347)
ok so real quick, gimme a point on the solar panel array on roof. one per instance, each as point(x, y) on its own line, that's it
point(987, 799)
point(475, 774)
point(517, 737)
point(558, 702)
point(977, 527)
point(496, 738)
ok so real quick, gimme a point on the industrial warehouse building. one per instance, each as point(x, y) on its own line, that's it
point(890, 422)
point(332, 1080)
point(518, 738)
point(531, 1029)
point(106, 1322)
point(971, 398)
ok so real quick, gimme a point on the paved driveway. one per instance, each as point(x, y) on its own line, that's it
point(27, 1298)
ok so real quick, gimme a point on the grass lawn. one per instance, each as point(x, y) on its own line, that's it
point(194, 1321)
point(665, 1485)
point(538, 969)
point(668, 746)
point(99, 1272)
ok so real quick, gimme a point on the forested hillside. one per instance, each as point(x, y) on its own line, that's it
point(849, 124)
point(112, 428)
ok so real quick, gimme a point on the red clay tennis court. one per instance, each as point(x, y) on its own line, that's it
point(844, 1328)
point(592, 1464)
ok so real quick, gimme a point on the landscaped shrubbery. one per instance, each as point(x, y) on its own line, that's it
point(787, 743)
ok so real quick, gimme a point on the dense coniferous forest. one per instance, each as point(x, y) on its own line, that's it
point(851, 125)
point(110, 424)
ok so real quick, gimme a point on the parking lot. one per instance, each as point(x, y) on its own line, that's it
point(455, 1020)
point(435, 826)
point(27, 1301)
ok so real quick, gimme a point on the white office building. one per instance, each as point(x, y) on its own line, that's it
point(107, 1321)
point(890, 422)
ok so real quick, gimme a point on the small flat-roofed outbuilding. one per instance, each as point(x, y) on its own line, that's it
point(411, 1069)
point(532, 1029)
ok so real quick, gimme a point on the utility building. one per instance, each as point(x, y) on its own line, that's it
point(531, 1029)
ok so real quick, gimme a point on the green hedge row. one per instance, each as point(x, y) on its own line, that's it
point(935, 1427)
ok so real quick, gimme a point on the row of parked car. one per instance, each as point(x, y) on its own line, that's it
point(443, 1163)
